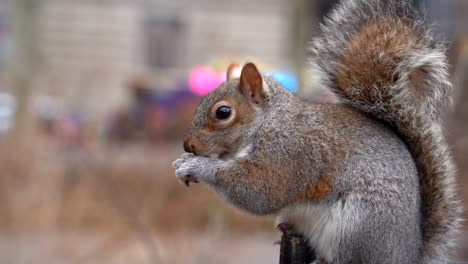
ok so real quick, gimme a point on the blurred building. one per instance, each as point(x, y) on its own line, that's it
point(89, 49)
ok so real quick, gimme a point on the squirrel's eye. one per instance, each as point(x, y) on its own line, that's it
point(223, 112)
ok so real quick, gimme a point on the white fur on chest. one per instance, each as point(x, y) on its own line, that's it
point(325, 225)
point(244, 152)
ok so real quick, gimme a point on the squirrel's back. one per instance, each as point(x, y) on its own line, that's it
point(380, 57)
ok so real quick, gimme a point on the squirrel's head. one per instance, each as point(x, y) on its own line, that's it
point(225, 119)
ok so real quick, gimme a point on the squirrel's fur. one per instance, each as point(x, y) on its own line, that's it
point(381, 57)
point(367, 181)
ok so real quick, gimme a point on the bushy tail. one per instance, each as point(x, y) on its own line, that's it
point(379, 56)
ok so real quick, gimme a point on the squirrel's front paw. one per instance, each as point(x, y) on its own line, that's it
point(186, 168)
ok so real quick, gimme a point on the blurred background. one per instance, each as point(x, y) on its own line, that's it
point(96, 95)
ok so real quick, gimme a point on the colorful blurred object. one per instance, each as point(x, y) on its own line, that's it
point(288, 80)
point(203, 80)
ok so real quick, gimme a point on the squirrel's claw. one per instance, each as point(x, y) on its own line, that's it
point(187, 179)
point(285, 228)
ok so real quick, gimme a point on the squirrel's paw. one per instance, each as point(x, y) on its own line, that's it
point(186, 168)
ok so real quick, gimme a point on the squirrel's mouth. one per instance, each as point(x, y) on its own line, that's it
point(223, 155)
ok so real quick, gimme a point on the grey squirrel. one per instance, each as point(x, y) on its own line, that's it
point(367, 181)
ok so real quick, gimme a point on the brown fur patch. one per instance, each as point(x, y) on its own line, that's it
point(436, 210)
point(417, 79)
point(371, 58)
point(316, 190)
point(257, 176)
point(251, 83)
point(254, 169)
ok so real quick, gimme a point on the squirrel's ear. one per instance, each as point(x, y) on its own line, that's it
point(233, 71)
point(251, 83)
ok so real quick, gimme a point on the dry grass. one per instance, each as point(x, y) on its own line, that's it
point(44, 187)
point(121, 201)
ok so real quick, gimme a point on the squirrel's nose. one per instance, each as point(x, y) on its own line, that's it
point(189, 147)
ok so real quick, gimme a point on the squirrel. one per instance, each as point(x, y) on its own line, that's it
point(369, 180)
